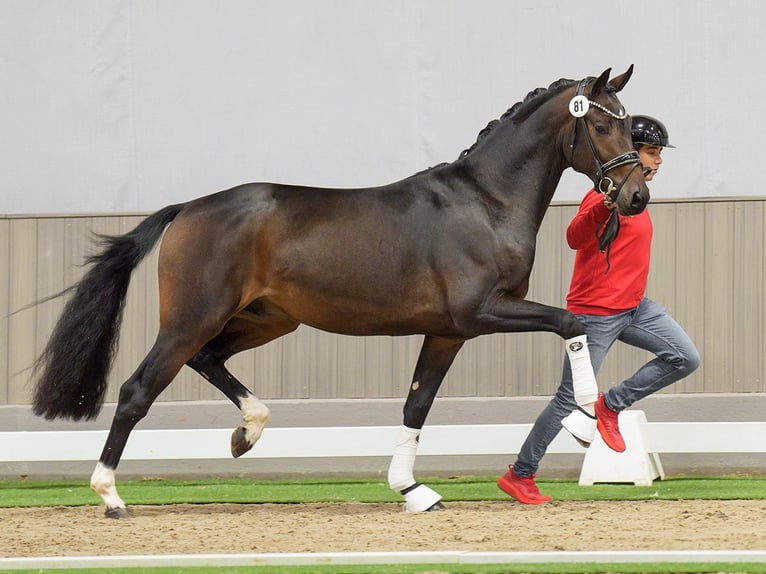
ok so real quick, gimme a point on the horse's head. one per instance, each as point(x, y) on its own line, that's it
point(600, 145)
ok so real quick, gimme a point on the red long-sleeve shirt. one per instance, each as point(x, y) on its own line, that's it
point(592, 292)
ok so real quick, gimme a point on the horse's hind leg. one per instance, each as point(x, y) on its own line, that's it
point(137, 394)
point(435, 359)
point(246, 331)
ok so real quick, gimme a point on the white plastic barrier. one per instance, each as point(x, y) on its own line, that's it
point(301, 442)
point(639, 464)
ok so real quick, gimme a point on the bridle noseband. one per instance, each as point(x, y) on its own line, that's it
point(602, 182)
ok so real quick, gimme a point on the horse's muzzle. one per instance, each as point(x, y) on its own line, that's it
point(633, 201)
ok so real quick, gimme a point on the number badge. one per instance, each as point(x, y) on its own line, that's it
point(578, 106)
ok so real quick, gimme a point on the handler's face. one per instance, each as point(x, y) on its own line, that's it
point(651, 157)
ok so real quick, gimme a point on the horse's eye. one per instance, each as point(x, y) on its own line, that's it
point(602, 129)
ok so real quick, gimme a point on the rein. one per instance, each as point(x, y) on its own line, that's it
point(607, 231)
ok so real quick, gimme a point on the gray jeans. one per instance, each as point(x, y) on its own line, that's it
point(648, 327)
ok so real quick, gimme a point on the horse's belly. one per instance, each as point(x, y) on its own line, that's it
point(377, 314)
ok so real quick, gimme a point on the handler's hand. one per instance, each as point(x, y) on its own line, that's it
point(608, 203)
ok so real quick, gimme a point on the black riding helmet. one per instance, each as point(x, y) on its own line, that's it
point(646, 130)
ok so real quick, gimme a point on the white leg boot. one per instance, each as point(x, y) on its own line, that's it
point(417, 497)
point(581, 422)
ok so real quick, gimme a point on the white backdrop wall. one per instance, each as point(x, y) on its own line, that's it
point(112, 106)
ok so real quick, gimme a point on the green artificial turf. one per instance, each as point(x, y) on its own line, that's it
point(242, 490)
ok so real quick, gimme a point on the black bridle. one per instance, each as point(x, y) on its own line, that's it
point(602, 168)
point(607, 232)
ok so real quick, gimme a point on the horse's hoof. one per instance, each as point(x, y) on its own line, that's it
point(117, 512)
point(420, 498)
point(239, 443)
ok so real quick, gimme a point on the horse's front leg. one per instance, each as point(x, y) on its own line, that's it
point(255, 414)
point(435, 359)
point(242, 332)
point(510, 315)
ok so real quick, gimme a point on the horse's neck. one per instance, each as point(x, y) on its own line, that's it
point(519, 173)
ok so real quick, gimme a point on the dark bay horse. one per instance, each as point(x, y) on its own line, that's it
point(445, 253)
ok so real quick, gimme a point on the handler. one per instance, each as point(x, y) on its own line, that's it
point(613, 307)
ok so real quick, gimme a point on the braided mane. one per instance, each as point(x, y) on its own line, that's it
point(522, 110)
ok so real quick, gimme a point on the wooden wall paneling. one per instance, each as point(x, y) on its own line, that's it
point(662, 274)
point(379, 367)
point(257, 369)
point(351, 367)
point(545, 371)
point(490, 366)
point(22, 291)
point(461, 379)
point(690, 287)
point(296, 364)
point(762, 371)
point(266, 381)
point(5, 280)
point(323, 365)
point(748, 298)
point(50, 278)
point(518, 358)
point(762, 300)
point(719, 295)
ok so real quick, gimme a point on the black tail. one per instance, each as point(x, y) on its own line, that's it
point(76, 361)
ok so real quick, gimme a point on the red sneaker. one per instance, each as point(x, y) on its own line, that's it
point(522, 488)
point(607, 425)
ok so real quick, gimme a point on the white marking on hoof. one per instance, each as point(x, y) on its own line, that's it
point(256, 415)
point(102, 483)
point(420, 498)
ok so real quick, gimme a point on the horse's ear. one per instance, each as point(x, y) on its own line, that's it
point(619, 82)
point(601, 82)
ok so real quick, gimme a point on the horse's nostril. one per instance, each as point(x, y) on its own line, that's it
point(637, 200)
